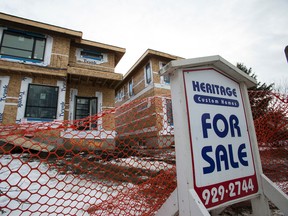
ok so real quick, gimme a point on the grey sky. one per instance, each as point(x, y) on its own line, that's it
point(253, 32)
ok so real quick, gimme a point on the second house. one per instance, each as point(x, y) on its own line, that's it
point(144, 113)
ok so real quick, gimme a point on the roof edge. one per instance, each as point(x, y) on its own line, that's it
point(102, 45)
point(150, 52)
point(118, 50)
point(24, 21)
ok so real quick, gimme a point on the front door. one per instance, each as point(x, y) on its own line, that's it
point(85, 110)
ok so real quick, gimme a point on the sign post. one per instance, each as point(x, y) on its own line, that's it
point(217, 158)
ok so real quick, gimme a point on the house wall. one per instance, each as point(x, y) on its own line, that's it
point(89, 90)
point(138, 81)
point(62, 55)
point(136, 119)
point(155, 68)
point(73, 77)
point(138, 78)
point(145, 125)
point(60, 52)
point(139, 85)
point(12, 101)
point(162, 92)
point(105, 66)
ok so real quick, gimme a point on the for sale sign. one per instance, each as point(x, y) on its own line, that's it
point(222, 157)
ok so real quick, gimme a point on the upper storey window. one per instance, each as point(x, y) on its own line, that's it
point(165, 79)
point(23, 45)
point(148, 73)
point(91, 56)
point(130, 88)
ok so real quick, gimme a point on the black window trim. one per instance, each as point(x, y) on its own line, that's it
point(91, 54)
point(80, 123)
point(37, 37)
point(56, 108)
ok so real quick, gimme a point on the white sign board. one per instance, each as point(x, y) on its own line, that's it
point(222, 158)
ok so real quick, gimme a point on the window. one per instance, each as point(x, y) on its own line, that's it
point(88, 56)
point(41, 101)
point(24, 45)
point(117, 97)
point(148, 73)
point(162, 64)
point(85, 108)
point(169, 112)
point(130, 88)
point(166, 78)
point(120, 94)
point(91, 55)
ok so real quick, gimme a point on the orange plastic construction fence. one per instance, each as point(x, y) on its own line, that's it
point(270, 114)
point(118, 162)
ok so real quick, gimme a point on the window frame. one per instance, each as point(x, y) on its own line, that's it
point(35, 37)
point(165, 79)
point(169, 112)
point(85, 123)
point(122, 93)
point(130, 88)
point(29, 97)
point(91, 54)
point(148, 79)
point(86, 56)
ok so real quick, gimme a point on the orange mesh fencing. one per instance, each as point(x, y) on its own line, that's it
point(270, 114)
point(118, 162)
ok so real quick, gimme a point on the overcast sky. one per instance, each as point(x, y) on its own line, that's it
point(253, 32)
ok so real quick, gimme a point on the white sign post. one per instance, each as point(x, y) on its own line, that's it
point(217, 156)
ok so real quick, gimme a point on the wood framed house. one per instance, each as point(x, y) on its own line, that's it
point(49, 73)
point(144, 110)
